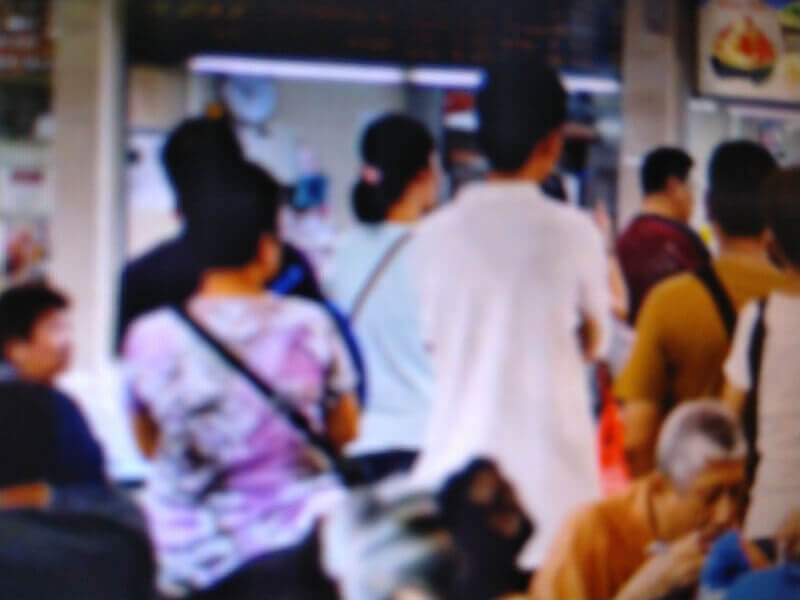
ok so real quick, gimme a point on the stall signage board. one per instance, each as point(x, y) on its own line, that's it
point(23, 190)
point(750, 49)
point(577, 35)
point(25, 38)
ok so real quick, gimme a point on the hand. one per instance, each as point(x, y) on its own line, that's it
point(602, 219)
point(787, 538)
point(685, 559)
point(342, 421)
point(677, 567)
point(589, 338)
point(620, 298)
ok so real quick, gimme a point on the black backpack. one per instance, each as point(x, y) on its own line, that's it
point(89, 545)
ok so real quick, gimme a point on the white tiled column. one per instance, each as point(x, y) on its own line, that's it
point(655, 87)
point(87, 221)
point(87, 157)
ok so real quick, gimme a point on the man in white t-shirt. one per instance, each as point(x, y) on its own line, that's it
point(514, 304)
point(763, 362)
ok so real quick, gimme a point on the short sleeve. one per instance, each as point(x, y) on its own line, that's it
point(645, 374)
point(572, 569)
point(150, 358)
point(737, 369)
point(594, 292)
point(79, 459)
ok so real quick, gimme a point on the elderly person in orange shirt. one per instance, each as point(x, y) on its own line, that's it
point(651, 541)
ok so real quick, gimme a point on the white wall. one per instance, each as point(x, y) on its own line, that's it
point(704, 130)
point(653, 94)
point(708, 124)
point(329, 118)
point(157, 100)
point(326, 117)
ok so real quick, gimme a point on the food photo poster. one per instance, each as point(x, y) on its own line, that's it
point(750, 49)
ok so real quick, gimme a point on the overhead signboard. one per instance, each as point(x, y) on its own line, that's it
point(750, 49)
point(26, 46)
point(579, 35)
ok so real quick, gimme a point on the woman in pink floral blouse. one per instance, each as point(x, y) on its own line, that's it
point(235, 491)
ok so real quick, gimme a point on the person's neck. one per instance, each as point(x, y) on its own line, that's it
point(246, 281)
point(23, 374)
point(751, 249)
point(533, 172)
point(403, 212)
point(660, 206)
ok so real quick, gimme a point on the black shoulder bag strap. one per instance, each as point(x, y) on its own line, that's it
point(750, 412)
point(376, 273)
point(297, 419)
point(722, 301)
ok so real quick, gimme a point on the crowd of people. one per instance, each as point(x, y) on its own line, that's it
point(420, 424)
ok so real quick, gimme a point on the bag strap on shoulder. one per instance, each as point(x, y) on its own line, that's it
point(722, 301)
point(297, 419)
point(376, 274)
point(750, 412)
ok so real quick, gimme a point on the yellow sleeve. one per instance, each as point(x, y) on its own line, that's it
point(644, 377)
point(572, 568)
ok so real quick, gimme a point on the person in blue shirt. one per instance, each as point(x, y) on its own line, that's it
point(734, 572)
point(43, 436)
point(169, 273)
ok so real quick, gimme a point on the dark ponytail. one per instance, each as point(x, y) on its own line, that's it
point(394, 149)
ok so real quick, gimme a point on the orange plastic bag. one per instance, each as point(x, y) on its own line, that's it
point(614, 471)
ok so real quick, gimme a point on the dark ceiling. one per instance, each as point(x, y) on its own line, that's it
point(578, 35)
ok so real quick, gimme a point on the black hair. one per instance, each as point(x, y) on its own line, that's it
point(521, 103)
point(470, 523)
point(396, 148)
point(22, 306)
point(736, 174)
point(781, 207)
point(229, 217)
point(195, 146)
point(661, 164)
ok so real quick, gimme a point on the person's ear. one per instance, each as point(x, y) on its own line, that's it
point(429, 179)
point(673, 187)
point(551, 146)
point(774, 251)
point(15, 351)
point(270, 253)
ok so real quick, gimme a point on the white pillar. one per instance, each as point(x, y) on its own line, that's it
point(87, 157)
point(654, 89)
point(87, 224)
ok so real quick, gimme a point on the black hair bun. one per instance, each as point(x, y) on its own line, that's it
point(370, 204)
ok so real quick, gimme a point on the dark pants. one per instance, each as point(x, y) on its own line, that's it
point(381, 465)
point(292, 574)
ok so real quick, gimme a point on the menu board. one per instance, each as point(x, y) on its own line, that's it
point(26, 46)
point(24, 222)
point(750, 49)
point(579, 35)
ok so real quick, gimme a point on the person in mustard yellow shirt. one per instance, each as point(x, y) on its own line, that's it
point(684, 329)
point(651, 541)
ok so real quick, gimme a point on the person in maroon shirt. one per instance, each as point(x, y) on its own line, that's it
point(659, 243)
